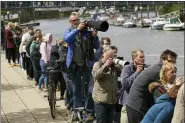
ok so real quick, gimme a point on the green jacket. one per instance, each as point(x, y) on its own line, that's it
point(35, 50)
point(105, 84)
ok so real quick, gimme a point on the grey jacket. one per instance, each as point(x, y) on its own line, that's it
point(128, 76)
point(139, 97)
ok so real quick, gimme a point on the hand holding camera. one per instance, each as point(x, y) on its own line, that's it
point(139, 68)
point(81, 26)
point(109, 62)
point(95, 33)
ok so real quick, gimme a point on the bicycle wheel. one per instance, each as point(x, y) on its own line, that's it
point(52, 101)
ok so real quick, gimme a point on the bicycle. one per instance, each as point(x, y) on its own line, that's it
point(51, 92)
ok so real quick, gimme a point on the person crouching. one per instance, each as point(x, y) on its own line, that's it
point(105, 87)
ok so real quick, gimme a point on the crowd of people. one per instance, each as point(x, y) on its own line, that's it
point(89, 78)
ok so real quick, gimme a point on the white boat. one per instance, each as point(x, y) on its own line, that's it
point(129, 24)
point(173, 24)
point(158, 23)
point(103, 17)
point(144, 23)
point(119, 21)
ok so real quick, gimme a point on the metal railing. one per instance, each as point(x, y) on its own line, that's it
point(50, 4)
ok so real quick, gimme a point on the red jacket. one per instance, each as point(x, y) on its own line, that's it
point(9, 39)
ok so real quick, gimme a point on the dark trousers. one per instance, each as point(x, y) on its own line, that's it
point(117, 113)
point(133, 115)
point(29, 67)
point(69, 91)
point(11, 54)
point(104, 112)
point(17, 55)
point(6, 52)
point(58, 77)
point(36, 69)
point(23, 60)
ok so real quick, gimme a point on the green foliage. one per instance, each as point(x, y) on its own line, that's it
point(164, 9)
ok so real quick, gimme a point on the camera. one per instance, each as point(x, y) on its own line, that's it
point(120, 62)
point(98, 25)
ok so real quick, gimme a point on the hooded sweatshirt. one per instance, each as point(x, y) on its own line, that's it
point(45, 49)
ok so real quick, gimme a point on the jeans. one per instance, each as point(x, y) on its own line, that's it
point(44, 76)
point(89, 103)
point(69, 91)
point(104, 112)
point(79, 81)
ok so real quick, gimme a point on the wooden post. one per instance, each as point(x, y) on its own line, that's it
point(155, 10)
point(148, 11)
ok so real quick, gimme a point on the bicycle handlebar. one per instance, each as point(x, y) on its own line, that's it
point(49, 71)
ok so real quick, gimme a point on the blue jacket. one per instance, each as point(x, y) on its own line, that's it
point(128, 75)
point(98, 54)
point(69, 38)
point(161, 112)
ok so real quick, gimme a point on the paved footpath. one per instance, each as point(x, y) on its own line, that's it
point(21, 102)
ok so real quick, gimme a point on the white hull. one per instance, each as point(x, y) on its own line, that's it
point(103, 18)
point(129, 25)
point(173, 27)
point(110, 22)
point(118, 23)
point(158, 27)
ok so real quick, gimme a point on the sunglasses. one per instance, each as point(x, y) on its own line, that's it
point(75, 20)
point(171, 61)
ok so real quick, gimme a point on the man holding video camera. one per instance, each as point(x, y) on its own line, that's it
point(81, 44)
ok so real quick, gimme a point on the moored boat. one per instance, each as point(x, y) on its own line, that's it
point(173, 24)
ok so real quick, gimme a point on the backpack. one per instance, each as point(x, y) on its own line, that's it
point(62, 51)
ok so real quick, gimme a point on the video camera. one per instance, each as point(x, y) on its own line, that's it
point(98, 25)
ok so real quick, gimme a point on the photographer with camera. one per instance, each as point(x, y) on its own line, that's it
point(128, 75)
point(105, 87)
point(81, 44)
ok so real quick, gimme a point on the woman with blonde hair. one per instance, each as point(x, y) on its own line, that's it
point(162, 111)
point(167, 77)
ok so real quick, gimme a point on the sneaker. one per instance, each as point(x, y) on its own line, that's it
point(10, 65)
point(75, 118)
point(45, 89)
point(38, 89)
point(13, 65)
point(89, 119)
point(29, 78)
point(61, 98)
point(68, 112)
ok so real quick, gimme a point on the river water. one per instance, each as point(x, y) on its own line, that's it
point(153, 42)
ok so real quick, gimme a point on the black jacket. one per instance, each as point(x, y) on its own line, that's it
point(53, 57)
point(139, 97)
